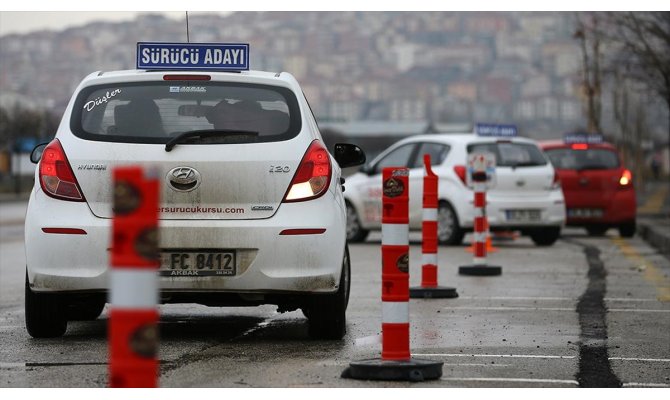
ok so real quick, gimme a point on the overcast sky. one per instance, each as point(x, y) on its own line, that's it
point(15, 17)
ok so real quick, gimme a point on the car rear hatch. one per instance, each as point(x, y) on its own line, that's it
point(196, 181)
point(521, 169)
point(589, 175)
point(233, 147)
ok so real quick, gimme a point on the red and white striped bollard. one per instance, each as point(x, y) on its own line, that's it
point(429, 287)
point(133, 292)
point(396, 362)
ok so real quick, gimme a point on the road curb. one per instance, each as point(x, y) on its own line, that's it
point(654, 236)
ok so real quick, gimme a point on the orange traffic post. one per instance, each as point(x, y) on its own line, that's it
point(396, 362)
point(133, 292)
point(479, 265)
point(429, 287)
point(489, 245)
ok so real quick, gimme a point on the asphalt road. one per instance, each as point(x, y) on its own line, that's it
point(584, 312)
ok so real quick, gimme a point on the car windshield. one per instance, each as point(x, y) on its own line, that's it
point(510, 154)
point(156, 112)
point(583, 159)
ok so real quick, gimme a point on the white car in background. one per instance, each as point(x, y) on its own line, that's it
point(249, 194)
point(527, 195)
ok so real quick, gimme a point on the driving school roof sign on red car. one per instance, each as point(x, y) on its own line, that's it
point(193, 56)
point(496, 130)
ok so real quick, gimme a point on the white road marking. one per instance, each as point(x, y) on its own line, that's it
point(519, 298)
point(511, 308)
point(575, 299)
point(646, 385)
point(515, 380)
point(493, 355)
point(640, 310)
point(640, 359)
point(476, 365)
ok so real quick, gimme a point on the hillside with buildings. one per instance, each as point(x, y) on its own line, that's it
point(437, 67)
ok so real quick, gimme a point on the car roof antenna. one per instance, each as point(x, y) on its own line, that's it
point(188, 39)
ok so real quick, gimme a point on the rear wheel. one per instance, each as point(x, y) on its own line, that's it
point(327, 313)
point(627, 230)
point(45, 317)
point(448, 229)
point(545, 236)
point(355, 232)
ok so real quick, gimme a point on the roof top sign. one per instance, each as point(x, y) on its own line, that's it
point(193, 56)
point(581, 137)
point(496, 130)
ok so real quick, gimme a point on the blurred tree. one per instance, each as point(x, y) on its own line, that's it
point(643, 39)
point(589, 35)
point(20, 121)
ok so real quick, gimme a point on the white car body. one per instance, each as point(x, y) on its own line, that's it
point(516, 188)
point(239, 204)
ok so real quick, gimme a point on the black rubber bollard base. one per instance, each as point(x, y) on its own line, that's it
point(480, 270)
point(413, 370)
point(437, 292)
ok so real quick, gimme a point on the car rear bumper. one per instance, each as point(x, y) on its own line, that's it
point(616, 209)
point(267, 261)
point(550, 206)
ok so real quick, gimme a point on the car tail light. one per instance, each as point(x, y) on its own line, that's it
point(460, 172)
point(580, 146)
point(56, 177)
point(312, 178)
point(626, 178)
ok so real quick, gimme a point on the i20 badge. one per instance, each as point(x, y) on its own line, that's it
point(183, 179)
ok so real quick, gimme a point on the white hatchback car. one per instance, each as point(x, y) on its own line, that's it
point(527, 195)
point(245, 177)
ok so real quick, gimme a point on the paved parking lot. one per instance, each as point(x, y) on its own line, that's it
point(586, 311)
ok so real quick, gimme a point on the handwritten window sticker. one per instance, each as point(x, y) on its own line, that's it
point(90, 105)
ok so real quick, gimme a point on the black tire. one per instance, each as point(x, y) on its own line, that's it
point(545, 236)
point(327, 313)
point(627, 230)
point(449, 231)
point(85, 310)
point(45, 317)
point(355, 232)
point(596, 230)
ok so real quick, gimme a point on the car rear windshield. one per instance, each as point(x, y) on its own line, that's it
point(155, 112)
point(511, 154)
point(563, 158)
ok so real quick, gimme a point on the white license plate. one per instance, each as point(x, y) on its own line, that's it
point(198, 263)
point(523, 215)
point(585, 213)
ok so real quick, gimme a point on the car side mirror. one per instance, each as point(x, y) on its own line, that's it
point(36, 154)
point(348, 155)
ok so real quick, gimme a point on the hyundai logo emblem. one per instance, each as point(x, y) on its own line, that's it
point(183, 179)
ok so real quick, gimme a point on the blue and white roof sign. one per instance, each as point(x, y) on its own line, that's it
point(581, 137)
point(193, 56)
point(496, 130)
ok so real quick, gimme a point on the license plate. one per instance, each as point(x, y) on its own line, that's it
point(523, 215)
point(585, 213)
point(198, 263)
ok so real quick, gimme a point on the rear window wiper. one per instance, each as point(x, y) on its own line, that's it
point(524, 164)
point(592, 166)
point(206, 133)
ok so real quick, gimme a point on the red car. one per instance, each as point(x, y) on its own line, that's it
point(598, 190)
